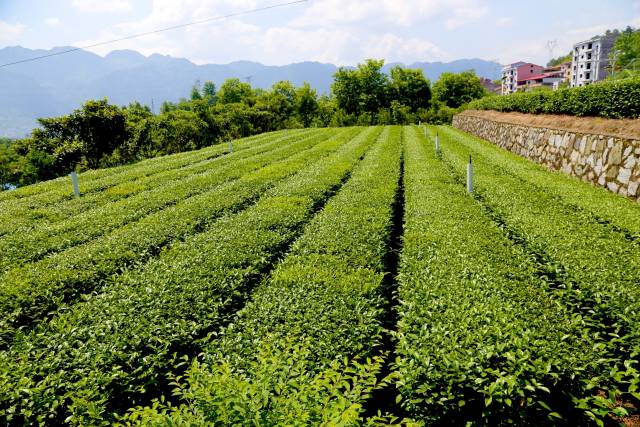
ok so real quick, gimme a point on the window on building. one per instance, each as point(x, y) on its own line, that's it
point(589, 56)
point(580, 75)
point(588, 65)
point(590, 45)
point(588, 76)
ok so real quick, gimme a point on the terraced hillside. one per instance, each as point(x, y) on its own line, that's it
point(321, 277)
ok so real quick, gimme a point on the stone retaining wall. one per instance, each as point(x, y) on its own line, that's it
point(609, 161)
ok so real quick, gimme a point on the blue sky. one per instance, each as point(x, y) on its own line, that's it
point(337, 31)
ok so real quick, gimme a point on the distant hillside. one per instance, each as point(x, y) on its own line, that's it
point(59, 84)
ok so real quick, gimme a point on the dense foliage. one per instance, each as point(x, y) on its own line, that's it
point(612, 99)
point(99, 134)
point(626, 52)
point(454, 90)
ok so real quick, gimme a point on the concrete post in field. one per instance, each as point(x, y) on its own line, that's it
point(470, 176)
point(230, 147)
point(74, 182)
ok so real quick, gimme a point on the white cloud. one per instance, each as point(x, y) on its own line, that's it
point(102, 6)
point(10, 32)
point(505, 21)
point(397, 49)
point(455, 13)
point(52, 22)
point(223, 41)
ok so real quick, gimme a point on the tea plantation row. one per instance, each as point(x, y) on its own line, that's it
point(321, 277)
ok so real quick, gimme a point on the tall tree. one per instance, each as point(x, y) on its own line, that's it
point(628, 49)
point(89, 133)
point(364, 89)
point(455, 89)
point(209, 92)
point(307, 104)
point(410, 88)
point(233, 90)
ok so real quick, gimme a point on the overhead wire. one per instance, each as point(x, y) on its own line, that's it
point(160, 30)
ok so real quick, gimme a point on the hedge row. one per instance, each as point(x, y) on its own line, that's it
point(591, 269)
point(32, 244)
point(32, 292)
point(113, 350)
point(616, 99)
point(284, 360)
point(570, 191)
point(480, 342)
point(50, 207)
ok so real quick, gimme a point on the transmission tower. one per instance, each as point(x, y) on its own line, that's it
point(551, 47)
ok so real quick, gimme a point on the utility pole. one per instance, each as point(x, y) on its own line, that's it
point(613, 62)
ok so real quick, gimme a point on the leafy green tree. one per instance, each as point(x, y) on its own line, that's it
point(87, 135)
point(326, 110)
point(195, 93)
point(178, 131)
point(8, 162)
point(233, 90)
point(280, 101)
point(373, 85)
point(409, 87)
point(628, 47)
point(306, 104)
point(400, 113)
point(209, 92)
point(455, 89)
point(346, 90)
point(364, 89)
point(140, 144)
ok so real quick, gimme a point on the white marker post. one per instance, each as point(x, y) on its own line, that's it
point(230, 147)
point(470, 176)
point(74, 182)
point(437, 144)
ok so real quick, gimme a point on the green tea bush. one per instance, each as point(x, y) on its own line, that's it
point(304, 350)
point(615, 99)
point(114, 349)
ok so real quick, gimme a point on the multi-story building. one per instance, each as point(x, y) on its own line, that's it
point(514, 76)
point(591, 60)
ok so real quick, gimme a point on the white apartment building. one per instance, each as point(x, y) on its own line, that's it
point(590, 60)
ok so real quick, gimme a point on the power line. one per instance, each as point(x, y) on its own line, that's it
point(173, 27)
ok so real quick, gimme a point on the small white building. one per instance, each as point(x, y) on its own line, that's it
point(590, 60)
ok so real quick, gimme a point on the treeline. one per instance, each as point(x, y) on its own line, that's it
point(100, 134)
